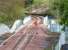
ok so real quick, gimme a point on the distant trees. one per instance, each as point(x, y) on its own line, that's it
point(28, 2)
point(10, 10)
point(60, 9)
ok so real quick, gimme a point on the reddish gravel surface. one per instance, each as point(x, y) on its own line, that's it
point(29, 38)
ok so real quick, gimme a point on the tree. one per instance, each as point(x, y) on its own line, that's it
point(10, 10)
point(60, 9)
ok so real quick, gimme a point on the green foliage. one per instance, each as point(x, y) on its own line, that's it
point(39, 2)
point(60, 9)
point(28, 2)
point(10, 10)
point(7, 11)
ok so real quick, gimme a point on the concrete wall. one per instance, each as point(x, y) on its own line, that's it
point(61, 41)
